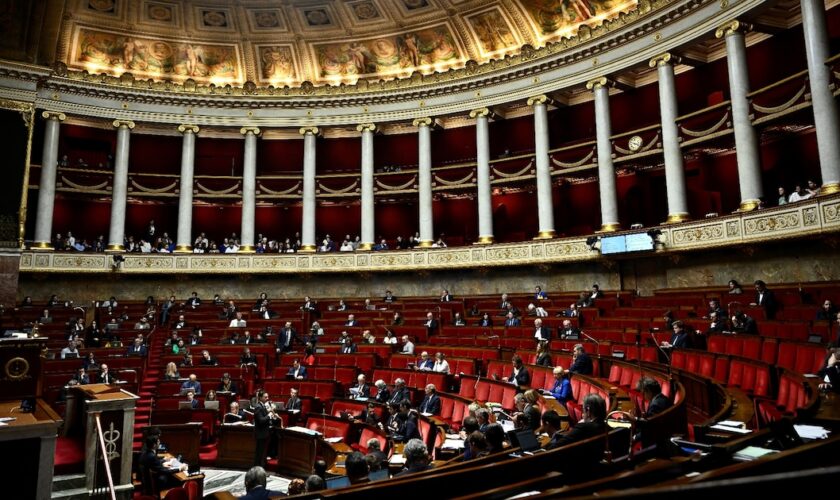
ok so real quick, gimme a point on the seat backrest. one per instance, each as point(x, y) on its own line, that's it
point(177, 494)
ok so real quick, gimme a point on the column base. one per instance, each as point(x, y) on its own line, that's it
point(42, 246)
point(830, 188)
point(545, 235)
point(115, 248)
point(485, 240)
point(365, 247)
point(677, 218)
point(183, 249)
point(247, 249)
point(426, 244)
point(307, 249)
point(748, 205)
point(609, 227)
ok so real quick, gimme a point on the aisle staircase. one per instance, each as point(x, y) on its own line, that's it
point(151, 378)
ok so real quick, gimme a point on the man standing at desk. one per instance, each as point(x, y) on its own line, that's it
point(262, 428)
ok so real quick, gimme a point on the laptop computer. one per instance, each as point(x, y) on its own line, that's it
point(185, 405)
point(280, 406)
point(527, 440)
point(211, 405)
point(337, 482)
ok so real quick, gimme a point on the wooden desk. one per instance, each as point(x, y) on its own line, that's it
point(32, 436)
point(236, 446)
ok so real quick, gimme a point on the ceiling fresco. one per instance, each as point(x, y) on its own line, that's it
point(287, 42)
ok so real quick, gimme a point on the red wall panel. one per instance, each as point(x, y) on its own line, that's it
point(279, 156)
point(339, 155)
point(157, 154)
point(215, 156)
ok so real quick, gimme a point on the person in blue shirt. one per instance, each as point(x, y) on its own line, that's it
point(539, 294)
point(562, 390)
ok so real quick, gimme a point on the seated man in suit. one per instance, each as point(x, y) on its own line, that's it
point(137, 349)
point(191, 384)
point(511, 320)
point(445, 296)
point(582, 362)
point(247, 358)
point(383, 395)
point(234, 414)
point(106, 377)
point(541, 332)
point(255, 485)
point(154, 466)
point(593, 423)
point(226, 384)
point(297, 371)
point(191, 399)
point(520, 375)
point(207, 359)
point(389, 297)
point(568, 330)
point(431, 402)
point(681, 339)
point(294, 402)
point(194, 301)
point(416, 458)
point(830, 372)
point(458, 320)
point(351, 320)
point(766, 299)
point(349, 346)
point(361, 390)
point(425, 363)
point(656, 403)
point(400, 393)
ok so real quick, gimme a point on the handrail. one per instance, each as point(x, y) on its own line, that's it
point(105, 457)
point(777, 84)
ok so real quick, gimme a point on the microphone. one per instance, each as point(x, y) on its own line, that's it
point(662, 351)
point(590, 337)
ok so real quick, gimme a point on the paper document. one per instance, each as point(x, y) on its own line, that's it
point(751, 453)
point(334, 439)
point(736, 430)
point(397, 459)
point(811, 431)
point(453, 444)
point(733, 423)
point(303, 430)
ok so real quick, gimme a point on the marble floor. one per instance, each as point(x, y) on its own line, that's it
point(234, 482)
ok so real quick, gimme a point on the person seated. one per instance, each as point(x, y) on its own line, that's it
point(562, 389)
point(827, 312)
point(431, 324)
point(541, 333)
point(538, 311)
point(81, 377)
point(431, 401)
point(349, 347)
point(187, 360)
point(142, 324)
point(45, 317)
point(425, 363)
point(568, 331)
point(351, 320)
point(485, 321)
point(368, 337)
point(401, 392)
point(356, 468)
point(441, 365)
point(389, 298)
point(255, 485)
point(766, 299)
point(157, 467)
point(308, 305)
point(238, 322)
point(376, 459)
point(137, 349)
point(408, 346)
point(296, 372)
point(171, 372)
point(584, 300)
point(544, 355)
point(389, 338)
point(105, 376)
point(179, 348)
point(383, 395)
point(495, 435)
point(741, 323)
point(519, 374)
point(527, 405)
point(294, 402)
point(342, 306)
point(416, 458)
point(247, 358)
point(734, 288)
point(226, 384)
point(234, 414)
point(180, 323)
point(207, 359)
point(191, 384)
point(398, 319)
point(539, 294)
point(406, 424)
point(582, 363)
point(369, 306)
point(247, 338)
point(830, 372)
point(657, 402)
point(511, 320)
point(314, 483)
point(476, 444)
point(71, 351)
point(445, 296)
point(191, 399)
point(229, 311)
point(193, 302)
point(592, 423)
point(361, 390)
point(458, 320)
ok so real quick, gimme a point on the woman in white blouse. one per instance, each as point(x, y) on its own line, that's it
point(441, 365)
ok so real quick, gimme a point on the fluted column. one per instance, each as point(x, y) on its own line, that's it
point(367, 130)
point(482, 157)
point(249, 189)
point(823, 103)
point(119, 191)
point(424, 179)
point(606, 172)
point(674, 170)
point(185, 199)
point(746, 141)
point(307, 233)
point(545, 204)
point(46, 185)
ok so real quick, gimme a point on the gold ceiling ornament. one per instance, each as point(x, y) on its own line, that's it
point(366, 127)
point(538, 99)
point(54, 115)
point(309, 130)
point(733, 26)
point(183, 128)
point(479, 112)
point(597, 83)
point(422, 122)
point(123, 123)
point(664, 59)
point(249, 130)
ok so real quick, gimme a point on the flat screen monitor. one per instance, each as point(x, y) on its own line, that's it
point(613, 244)
point(639, 242)
point(636, 242)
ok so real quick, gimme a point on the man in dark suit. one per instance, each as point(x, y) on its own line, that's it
point(349, 347)
point(193, 301)
point(262, 428)
point(308, 305)
point(351, 321)
point(766, 299)
point(656, 403)
point(596, 292)
point(681, 339)
point(105, 377)
point(445, 296)
point(431, 402)
point(541, 332)
point(285, 337)
point(389, 297)
point(425, 363)
point(234, 414)
point(568, 331)
point(431, 324)
point(138, 349)
point(255, 481)
point(830, 373)
point(247, 358)
point(156, 466)
point(400, 393)
point(582, 362)
point(519, 375)
point(297, 371)
point(294, 402)
point(511, 320)
point(592, 423)
point(361, 390)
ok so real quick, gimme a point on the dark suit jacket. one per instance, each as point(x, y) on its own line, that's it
point(260, 493)
point(301, 371)
point(293, 404)
point(833, 374)
point(569, 332)
point(400, 395)
point(583, 430)
point(582, 365)
point(768, 302)
point(522, 378)
point(348, 349)
point(364, 391)
point(657, 405)
point(383, 396)
point(133, 352)
point(262, 422)
point(682, 340)
point(545, 332)
point(432, 325)
point(534, 417)
point(430, 404)
point(283, 334)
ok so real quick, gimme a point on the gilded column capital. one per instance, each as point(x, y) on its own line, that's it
point(733, 26)
point(479, 112)
point(249, 130)
point(123, 123)
point(537, 99)
point(366, 127)
point(422, 122)
point(664, 59)
point(599, 82)
point(183, 128)
point(54, 115)
point(309, 130)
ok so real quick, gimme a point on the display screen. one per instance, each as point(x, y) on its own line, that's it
point(637, 242)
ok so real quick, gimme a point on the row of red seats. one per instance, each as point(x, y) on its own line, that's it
point(753, 377)
point(795, 356)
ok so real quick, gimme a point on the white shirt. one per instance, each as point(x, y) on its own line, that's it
point(389, 340)
point(408, 348)
point(237, 323)
point(538, 334)
point(441, 366)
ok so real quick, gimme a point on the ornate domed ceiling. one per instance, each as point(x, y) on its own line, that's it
point(287, 42)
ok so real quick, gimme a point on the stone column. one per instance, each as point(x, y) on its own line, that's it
point(368, 222)
point(545, 204)
point(424, 180)
point(184, 238)
point(674, 170)
point(307, 233)
point(119, 191)
point(822, 97)
point(249, 189)
point(46, 185)
point(482, 148)
point(606, 171)
point(746, 142)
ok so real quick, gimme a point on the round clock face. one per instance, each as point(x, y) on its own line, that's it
point(17, 368)
point(635, 143)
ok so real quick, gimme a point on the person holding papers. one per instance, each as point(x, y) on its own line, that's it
point(361, 390)
point(562, 389)
point(431, 403)
point(234, 414)
point(541, 333)
point(297, 372)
